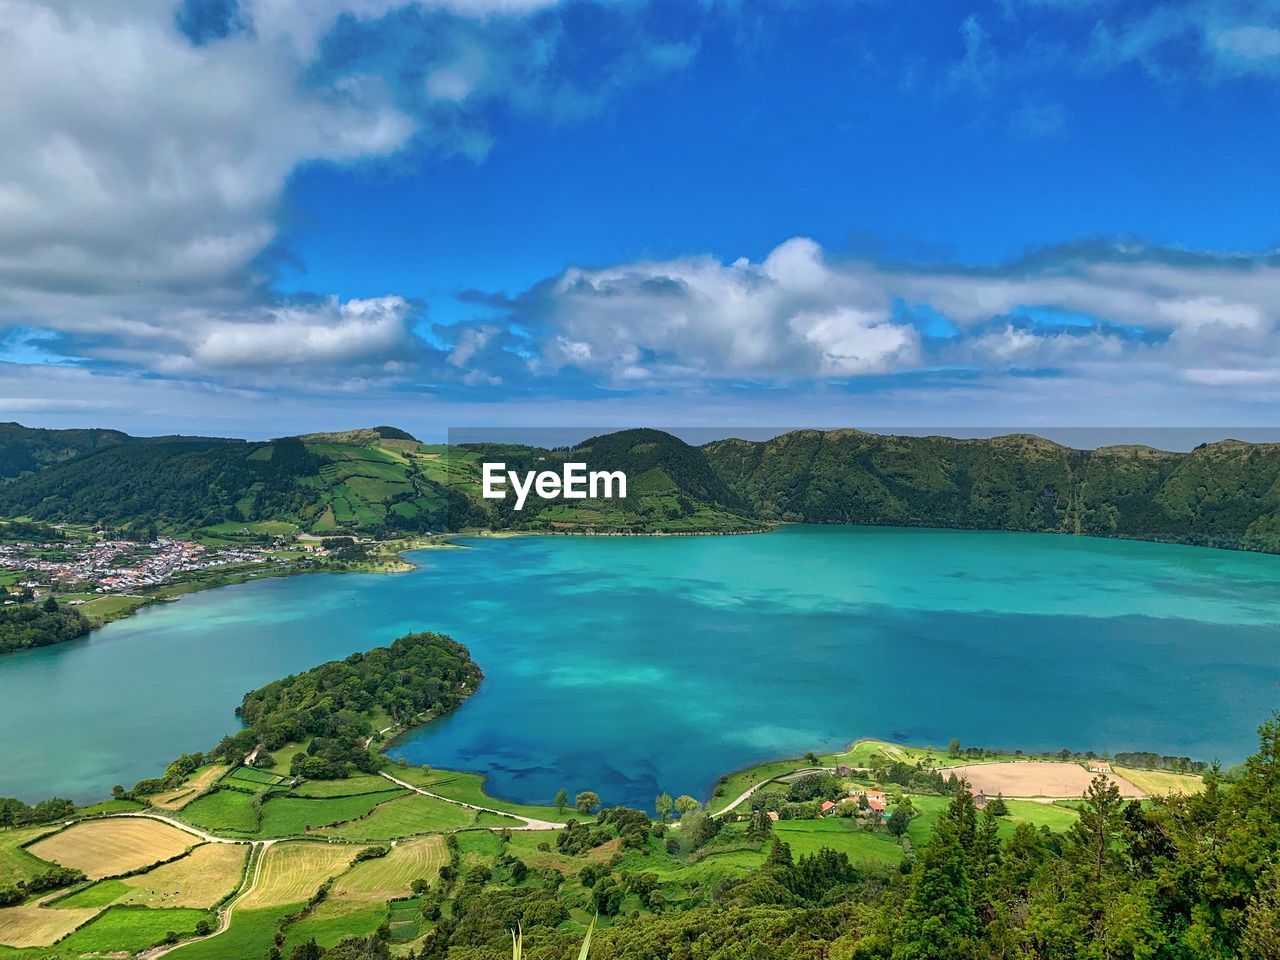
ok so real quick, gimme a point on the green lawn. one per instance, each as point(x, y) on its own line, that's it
point(110, 806)
point(838, 833)
point(133, 928)
point(101, 894)
point(409, 815)
point(288, 816)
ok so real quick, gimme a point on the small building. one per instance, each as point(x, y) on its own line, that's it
point(844, 770)
point(1099, 766)
point(876, 803)
point(827, 806)
point(772, 816)
point(979, 799)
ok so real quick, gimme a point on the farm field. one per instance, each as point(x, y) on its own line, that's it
point(333, 920)
point(469, 788)
point(32, 926)
point(15, 862)
point(293, 870)
point(224, 811)
point(408, 815)
point(292, 816)
point(1161, 783)
point(250, 935)
point(121, 929)
point(196, 785)
point(201, 879)
point(387, 877)
point(1038, 779)
point(104, 848)
point(342, 788)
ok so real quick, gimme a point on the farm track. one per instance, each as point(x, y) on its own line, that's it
point(530, 823)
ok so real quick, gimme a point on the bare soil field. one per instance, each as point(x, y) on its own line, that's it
point(106, 848)
point(1035, 779)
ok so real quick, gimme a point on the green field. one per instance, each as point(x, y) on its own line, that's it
point(291, 816)
point(469, 788)
point(250, 935)
point(15, 863)
point(410, 814)
point(133, 928)
point(349, 787)
point(223, 811)
point(332, 921)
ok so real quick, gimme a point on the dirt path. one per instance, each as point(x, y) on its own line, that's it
point(530, 823)
point(185, 827)
point(224, 915)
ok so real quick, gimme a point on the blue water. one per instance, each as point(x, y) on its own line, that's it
point(634, 665)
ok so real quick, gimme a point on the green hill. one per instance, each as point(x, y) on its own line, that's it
point(381, 482)
point(1224, 494)
point(26, 450)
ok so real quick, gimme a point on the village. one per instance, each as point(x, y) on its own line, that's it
point(117, 566)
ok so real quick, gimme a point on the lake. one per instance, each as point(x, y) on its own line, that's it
point(635, 665)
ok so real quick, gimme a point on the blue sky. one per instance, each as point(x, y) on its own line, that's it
point(268, 216)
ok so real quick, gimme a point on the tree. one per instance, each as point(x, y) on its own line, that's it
point(900, 819)
point(663, 804)
point(759, 826)
point(685, 803)
point(953, 748)
point(998, 807)
point(937, 921)
point(562, 800)
point(586, 801)
point(50, 605)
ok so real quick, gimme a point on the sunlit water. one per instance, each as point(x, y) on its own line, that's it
point(634, 665)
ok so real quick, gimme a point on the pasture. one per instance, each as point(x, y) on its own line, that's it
point(334, 920)
point(391, 876)
point(33, 926)
point(250, 935)
point(15, 862)
point(469, 788)
point(106, 848)
point(201, 879)
point(292, 816)
point(1162, 783)
point(408, 815)
point(293, 870)
point(130, 929)
point(224, 811)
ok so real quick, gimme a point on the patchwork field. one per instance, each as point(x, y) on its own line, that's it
point(196, 785)
point(224, 811)
point(33, 926)
point(334, 920)
point(342, 788)
point(130, 929)
point(410, 814)
point(293, 870)
point(291, 816)
point(202, 879)
point(105, 848)
point(250, 935)
point(392, 875)
point(1039, 779)
point(15, 862)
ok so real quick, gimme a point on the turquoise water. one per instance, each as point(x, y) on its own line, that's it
point(633, 665)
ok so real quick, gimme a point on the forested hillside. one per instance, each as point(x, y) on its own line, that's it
point(25, 450)
point(1222, 494)
point(381, 482)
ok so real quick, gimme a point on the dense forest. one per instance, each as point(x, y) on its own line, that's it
point(24, 625)
point(25, 450)
point(382, 482)
point(335, 704)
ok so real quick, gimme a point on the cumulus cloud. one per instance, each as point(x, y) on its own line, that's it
point(1093, 311)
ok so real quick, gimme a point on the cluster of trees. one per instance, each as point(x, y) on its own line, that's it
point(1145, 760)
point(419, 675)
point(25, 624)
point(54, 878)
point(15, 813)
point(23, 531)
